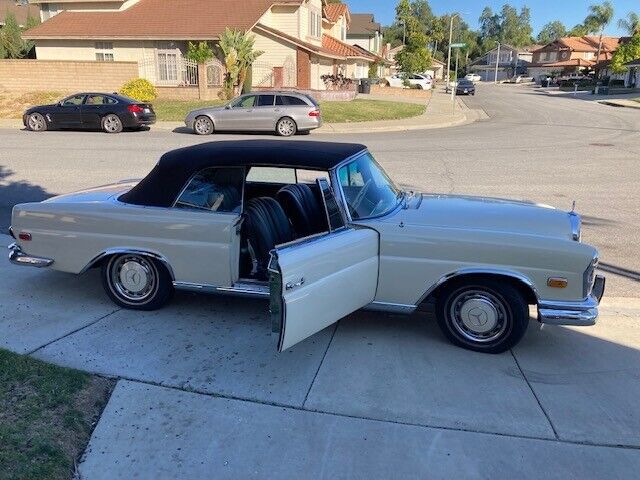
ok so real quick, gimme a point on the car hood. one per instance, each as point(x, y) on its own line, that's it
point(41, 108)
point(97, 194)
point(487, 214)
point(205, 110)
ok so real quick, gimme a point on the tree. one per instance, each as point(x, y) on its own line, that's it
point(508, 27)
point(199, 52)
point(239, 55)
point(626, 52)
point(599, 17)
point(551, 31)
point(631, 24)
point(490, 29)
point(11, 38)
point(579, 30)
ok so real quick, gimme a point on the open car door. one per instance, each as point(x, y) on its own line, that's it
point(320, 280)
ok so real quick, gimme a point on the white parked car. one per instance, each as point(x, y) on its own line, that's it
point(424, 82)
point(320, 230)
point(474, 77)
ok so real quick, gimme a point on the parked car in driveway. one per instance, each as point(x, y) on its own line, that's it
point(109, 112)
point(285, 113)
point(421, 81)
point(321, 230)
point(473, 77)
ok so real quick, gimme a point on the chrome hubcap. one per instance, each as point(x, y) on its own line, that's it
point(202, 126)
point(133, 278)
point(111, 123)
point(478, 315)
point(36, 122)
point(286, 127)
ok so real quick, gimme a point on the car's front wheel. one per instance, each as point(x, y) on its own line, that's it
point(36, 122)
point(203, 125)
point(485, 315)
point(286, 127)
point(137, 282)
point(111, 123)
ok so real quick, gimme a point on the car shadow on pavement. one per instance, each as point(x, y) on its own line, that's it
point(14, 192)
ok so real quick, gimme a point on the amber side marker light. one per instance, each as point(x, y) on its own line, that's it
point(25, 236)
point(555, 282)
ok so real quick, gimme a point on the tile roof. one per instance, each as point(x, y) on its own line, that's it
point(310, 47)
point(588, 43)
point(363, 24)
point(158, 20)
point(21, 12)
point(334, 45)
point(334, 11)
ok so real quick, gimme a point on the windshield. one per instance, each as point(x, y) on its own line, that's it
point(367, 189)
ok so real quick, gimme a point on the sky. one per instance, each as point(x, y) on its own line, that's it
point(569, 12)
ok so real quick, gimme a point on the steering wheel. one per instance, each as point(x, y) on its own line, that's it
point(361, 194)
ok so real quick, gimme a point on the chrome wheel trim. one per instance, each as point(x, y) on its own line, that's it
point(133, 279)
point(203, 126)
point(478, 315)
point(111, 123)
point(36, 122)
point(286, 127)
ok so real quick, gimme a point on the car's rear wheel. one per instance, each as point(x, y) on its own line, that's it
point(485, 315)
point(203, 125)
point(137, 282)
point(286, 127)
point(36, 122)
point(111, 123)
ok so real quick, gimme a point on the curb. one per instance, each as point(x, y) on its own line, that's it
point(611, 103)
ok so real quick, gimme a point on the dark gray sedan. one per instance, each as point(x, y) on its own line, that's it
point(285, 113)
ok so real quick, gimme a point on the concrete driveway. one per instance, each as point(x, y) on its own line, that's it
point(203, 394)
point(203, 390)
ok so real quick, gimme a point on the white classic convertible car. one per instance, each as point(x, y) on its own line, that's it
point(320, 230)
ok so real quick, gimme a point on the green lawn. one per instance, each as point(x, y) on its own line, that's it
point(47, 414)
point(332, 112)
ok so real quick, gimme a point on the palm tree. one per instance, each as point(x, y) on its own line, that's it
point(631, 24)
point(237, 48)
point(599, 17)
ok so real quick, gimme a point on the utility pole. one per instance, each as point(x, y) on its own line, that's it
point(495, 80)
point(455, 88)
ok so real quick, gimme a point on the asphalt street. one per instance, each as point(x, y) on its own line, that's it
point(547, 149)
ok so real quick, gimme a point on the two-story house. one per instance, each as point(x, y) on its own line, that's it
point(366, 34)
point(572, 55)
point(510, 61)
point(301, 39)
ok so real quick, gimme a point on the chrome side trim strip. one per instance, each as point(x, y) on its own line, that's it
point(388, 307)
point(239, 289)
point(135, 251)
point(480, 271)
point(18, 257)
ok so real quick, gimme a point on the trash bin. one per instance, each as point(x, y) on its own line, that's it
point(365, 86)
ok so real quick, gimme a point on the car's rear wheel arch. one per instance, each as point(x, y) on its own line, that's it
point(288, 133)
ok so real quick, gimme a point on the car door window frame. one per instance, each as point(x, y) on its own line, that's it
point(63, 103)
point(196, 209)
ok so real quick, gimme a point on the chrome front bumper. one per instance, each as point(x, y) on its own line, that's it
point(581, 314)
point(18, 257)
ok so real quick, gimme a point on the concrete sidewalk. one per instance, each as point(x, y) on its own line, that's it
point(621, 102)
point(439, 114)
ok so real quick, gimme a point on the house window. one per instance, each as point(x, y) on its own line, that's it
point(48, 10)
point(104, 51)
point(167, 60)
point(315, 24)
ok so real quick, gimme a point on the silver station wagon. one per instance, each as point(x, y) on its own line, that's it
point(321, 231)
point(285, 113)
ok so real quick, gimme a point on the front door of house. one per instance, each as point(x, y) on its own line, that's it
point(304, 69)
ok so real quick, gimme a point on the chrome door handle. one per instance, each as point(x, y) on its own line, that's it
point(291, 286)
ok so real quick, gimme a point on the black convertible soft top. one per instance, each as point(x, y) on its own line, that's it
point(163, 184)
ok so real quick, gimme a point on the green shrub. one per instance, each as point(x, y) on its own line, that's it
point(140, 89)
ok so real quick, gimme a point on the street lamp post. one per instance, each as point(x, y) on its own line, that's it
point(450, 40)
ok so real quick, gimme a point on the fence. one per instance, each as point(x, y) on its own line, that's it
point(64, 76)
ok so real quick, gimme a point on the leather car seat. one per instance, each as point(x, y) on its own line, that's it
point(266, 226)
point(303, 209)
